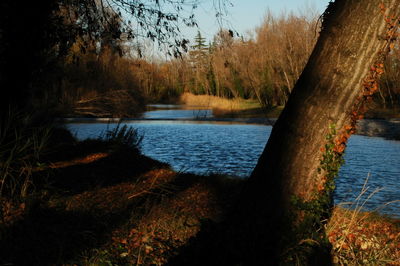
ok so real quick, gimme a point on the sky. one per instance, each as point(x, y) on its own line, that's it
point(242, 16)
point(245, 15)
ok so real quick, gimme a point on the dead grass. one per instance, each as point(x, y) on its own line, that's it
point(363, 238)
point(359, 237)
point(218, 103)
point(237, 108)
point(158, 235)
point(83, 160)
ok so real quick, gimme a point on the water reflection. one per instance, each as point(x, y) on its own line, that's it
point(164, 106)
point(178, 114)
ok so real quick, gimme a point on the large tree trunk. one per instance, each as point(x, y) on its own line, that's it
point(349, 50)
point(311, 133)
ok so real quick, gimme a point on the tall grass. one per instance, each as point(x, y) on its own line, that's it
point(21, 146)
point(214, 102)
point(122, 137)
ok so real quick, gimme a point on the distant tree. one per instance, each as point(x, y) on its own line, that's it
point(199, 49)
point(199, 58)
point(199, 42)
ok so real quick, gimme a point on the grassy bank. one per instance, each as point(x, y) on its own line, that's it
point(237, 107)
point(100, 202)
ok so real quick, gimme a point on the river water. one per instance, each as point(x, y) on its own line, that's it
point(233, 149)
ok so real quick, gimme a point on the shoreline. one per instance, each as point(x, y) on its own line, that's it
point(259, 121)
point(385, 128)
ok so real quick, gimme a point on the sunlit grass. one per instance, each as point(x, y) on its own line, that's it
point(363, 238)
point(237, 107)
point(215, 102)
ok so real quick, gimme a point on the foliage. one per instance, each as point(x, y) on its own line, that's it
point(332, 160)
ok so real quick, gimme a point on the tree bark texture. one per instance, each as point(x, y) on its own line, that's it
point(330, 91)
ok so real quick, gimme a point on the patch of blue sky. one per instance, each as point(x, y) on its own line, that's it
point(241, 16)
point(244, 16)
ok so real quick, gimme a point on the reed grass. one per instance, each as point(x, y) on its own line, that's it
point(214, 102)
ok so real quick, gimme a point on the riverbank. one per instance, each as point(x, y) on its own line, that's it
point(229, 108)
point(207, 108)
point(97, 202)
point(385, 128)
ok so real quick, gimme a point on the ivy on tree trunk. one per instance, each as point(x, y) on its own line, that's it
point(289, 193)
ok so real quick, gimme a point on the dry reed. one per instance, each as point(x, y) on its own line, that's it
point(214, 102)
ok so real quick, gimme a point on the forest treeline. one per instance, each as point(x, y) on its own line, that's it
point(263, 66)
point(105, 79)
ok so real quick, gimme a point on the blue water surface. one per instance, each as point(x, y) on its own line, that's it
point(233, 149)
